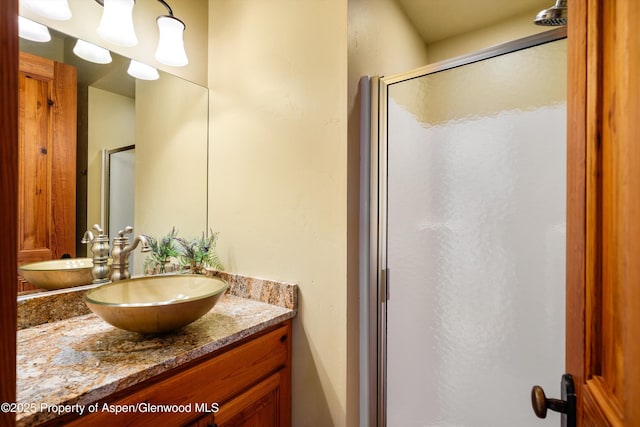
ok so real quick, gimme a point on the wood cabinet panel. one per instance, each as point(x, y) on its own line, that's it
point(257, 407)
point(35, 169)
point(232, 379)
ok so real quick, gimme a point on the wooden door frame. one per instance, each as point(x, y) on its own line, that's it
point(603, 210)
point(9, 203)
point(576, 252)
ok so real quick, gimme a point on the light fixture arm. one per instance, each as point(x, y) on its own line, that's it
point(170, 15)
point(101, 2)
point(164, 3)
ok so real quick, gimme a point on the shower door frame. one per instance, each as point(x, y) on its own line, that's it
point(377, 283)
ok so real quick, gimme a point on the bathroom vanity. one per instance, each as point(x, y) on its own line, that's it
point(231, 367)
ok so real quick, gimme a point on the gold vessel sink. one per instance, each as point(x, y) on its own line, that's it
point(58, 273)
point(153, 304)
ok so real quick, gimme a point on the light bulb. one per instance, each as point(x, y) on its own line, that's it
point(30, 30)
point(170, 44)
point(91, 52)
point(116, 25)
point(52, 9)
point(142, 71)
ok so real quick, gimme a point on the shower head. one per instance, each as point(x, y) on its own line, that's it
point(554, 16)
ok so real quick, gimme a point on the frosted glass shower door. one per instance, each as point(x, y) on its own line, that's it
point(476, 241)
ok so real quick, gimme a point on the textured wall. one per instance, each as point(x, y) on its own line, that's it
point(278, 174)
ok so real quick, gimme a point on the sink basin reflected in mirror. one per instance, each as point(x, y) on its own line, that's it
point(153, 304)
point(58, 273)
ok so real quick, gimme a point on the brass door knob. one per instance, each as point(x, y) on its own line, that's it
point(540, 403)
point(566, 406)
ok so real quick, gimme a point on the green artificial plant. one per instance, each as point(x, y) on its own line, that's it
point(162, 251)
point(198, 253)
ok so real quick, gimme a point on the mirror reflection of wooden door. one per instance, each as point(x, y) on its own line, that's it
point(47, 160)
point(603, 203)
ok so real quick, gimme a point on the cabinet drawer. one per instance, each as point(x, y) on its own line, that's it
point(213, 381)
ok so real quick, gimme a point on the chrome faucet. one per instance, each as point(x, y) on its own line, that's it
point(100, 250)
point(121, 251)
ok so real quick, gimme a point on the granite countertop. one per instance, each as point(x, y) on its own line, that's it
point(83, 359)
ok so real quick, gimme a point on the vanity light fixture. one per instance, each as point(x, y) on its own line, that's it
point(53, 9)
point(30, 30)
point(142, 71)
point(170, 49)
point(116, 25)
point(92, 53)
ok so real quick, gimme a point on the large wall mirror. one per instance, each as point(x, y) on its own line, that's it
point(166, 120)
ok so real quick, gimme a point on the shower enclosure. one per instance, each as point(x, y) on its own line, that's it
point(468, 237)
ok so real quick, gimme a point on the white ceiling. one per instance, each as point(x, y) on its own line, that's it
point(440, 19)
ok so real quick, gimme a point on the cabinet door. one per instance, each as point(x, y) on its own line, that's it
point(47, 159)
point(257, 407)
point(206, 421)
point(203, 421)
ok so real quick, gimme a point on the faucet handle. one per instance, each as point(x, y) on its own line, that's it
point(127, 230)
point(99, 230)
point(87, 238)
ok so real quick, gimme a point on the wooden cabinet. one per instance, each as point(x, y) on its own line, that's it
point(47, 117)
point(248, 384)
point(260, 406)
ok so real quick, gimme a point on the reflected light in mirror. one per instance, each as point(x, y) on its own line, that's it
point(52, 9)
point(171, 44)
point(92, 53)
point(142, 71)
point(116, 25)
point(33, 31)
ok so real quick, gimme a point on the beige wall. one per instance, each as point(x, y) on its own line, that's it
point(111, 124)
point(283, 78)
point(171, 159)
point(515, 28)
point(278, 175)
point(381, 41)
point(86, 17)
point(54, 49)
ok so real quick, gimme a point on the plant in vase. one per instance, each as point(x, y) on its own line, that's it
point(162, 250)
point(198, 253)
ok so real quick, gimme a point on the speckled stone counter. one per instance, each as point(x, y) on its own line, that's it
point(38, 308)
point(83, 359)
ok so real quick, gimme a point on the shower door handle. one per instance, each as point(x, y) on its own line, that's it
point(384, 285)
point(566, 406)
